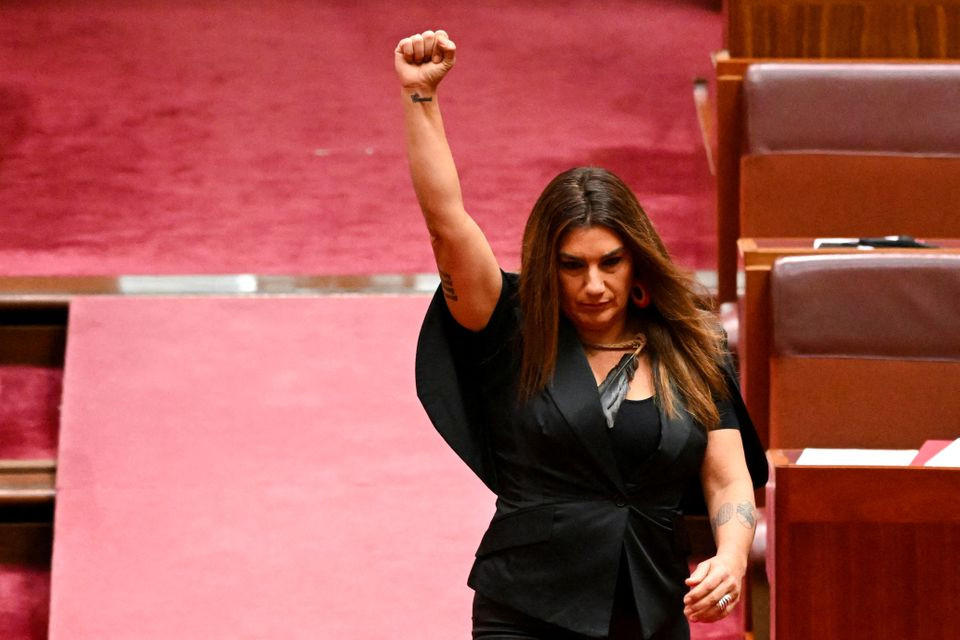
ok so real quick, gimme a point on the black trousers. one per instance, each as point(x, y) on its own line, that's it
point(495, 621)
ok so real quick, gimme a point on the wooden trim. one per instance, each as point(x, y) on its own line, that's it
point(27, 482)
point(58, 290)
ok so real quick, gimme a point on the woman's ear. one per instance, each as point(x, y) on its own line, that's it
point(640, 295)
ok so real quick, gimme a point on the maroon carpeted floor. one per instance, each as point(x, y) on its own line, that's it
point(29, 411)
point(264, 135)
point(24, 601)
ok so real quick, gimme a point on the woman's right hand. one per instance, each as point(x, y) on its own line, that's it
point(423, 59)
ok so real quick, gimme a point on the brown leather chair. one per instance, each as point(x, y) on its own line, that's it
point(852, 149)
point(866, 350)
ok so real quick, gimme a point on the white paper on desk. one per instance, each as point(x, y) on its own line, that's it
point(858, 457)
point(949, 456)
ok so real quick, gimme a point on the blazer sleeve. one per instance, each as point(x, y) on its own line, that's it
point(693, 501)
point(452, 368)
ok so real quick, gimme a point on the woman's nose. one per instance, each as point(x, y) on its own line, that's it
point(594, 284)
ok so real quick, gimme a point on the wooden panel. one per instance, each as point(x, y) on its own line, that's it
point(865, 553)
point(849, 195)
point(872, 403)
point(34, 345)
point(26, 544)
point(921, 29)
point(729, 137)
point(32, 334)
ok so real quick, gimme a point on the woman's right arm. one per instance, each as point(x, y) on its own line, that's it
point(469, 272)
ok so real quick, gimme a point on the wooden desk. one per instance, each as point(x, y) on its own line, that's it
point(862, 552)
point(758, 256)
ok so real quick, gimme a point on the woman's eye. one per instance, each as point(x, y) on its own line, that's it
point(569, 264)
point(612, 262)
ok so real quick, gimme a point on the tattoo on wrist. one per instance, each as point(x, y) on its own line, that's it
point(745, 511)
point(446, 282)
point(418, 98)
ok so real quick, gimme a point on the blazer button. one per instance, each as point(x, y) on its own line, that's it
point(621, 503)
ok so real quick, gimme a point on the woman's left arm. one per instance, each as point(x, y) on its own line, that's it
point(733, 517)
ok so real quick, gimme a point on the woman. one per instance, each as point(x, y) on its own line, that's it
point(587, 393)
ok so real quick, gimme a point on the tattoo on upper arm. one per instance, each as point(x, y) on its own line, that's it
point(745, 511)
point(418, 98)
point(446, 281)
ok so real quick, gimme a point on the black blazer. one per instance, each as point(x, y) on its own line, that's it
point(564, 514)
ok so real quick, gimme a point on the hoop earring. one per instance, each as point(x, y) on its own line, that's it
point(640, 296)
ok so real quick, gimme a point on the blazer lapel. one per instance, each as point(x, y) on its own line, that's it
point(574, 391)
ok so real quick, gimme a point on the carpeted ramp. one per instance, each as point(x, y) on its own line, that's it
point(240, 468)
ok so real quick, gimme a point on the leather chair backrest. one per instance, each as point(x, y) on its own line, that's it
point(860, 108)
point(866, 350)
point(856, 149)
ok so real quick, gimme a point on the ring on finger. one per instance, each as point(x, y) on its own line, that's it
point(724, 602)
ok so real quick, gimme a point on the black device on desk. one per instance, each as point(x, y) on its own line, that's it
point(883, 242)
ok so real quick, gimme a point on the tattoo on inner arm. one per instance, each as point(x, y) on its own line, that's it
point(446, 281)
point(418, 98)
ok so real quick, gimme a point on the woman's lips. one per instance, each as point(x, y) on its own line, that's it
point(593, 306)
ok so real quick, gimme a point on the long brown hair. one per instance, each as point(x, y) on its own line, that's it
point(683, 335)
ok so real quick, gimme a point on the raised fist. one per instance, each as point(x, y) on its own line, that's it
point(423, 59)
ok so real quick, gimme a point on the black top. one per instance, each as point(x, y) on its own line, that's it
point(636, 432)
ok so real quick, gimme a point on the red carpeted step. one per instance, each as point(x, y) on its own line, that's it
point(29, 411)
point(24, 580)
point(24, 602)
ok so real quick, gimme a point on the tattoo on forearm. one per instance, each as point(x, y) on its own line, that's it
point(724, 513)
point(745, 512)
point(418, 98)
point(747, 515)
point(446, 281)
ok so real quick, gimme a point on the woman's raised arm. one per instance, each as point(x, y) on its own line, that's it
point(468, 269)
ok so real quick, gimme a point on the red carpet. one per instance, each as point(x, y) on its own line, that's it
point(29, 412)
point(24, 602)
point(255, 469)
point(264, 136)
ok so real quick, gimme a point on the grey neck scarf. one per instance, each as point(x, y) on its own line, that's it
point(614, 387)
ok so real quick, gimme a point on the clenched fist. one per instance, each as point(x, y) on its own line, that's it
point(423, 59)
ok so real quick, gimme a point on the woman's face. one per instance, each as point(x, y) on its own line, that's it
point(596, 275)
